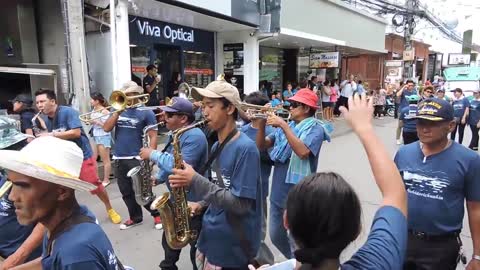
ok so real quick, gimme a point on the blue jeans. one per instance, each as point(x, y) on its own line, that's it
point(278, 233)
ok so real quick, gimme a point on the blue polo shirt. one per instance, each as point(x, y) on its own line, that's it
point(239, 164)
point(438, 185)
point(459, 107)
point(67, 119)
point(129, 131)
point(406, 115)
point(474, 113)
point(12, 234)
point(194, 151)
point(84, 246)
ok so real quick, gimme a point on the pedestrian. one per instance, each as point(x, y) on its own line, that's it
point(323, 212)
point(295, 151)
point(150, 85)
point(288, 93)
point(406, 90)
point(460, 112)
point(379, 100)
point(22, 105)
point(474, 119)
point(439, 175)
point(409, 121)
point(44, 192)
point(102, 139)
point(348, 87)
point(63, 122)
point(325, 93)
point(427, 92)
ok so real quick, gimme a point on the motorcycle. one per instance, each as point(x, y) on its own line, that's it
point(390, 106)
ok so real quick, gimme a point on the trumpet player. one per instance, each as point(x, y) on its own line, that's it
point(193, 145)
point(295, 148)
point(129, 125)
point(230, 235)
point(63, 122)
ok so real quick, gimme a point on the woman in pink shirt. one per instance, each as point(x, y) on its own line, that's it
point(333, 99)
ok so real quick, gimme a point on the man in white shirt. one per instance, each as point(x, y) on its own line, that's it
point(348, 87)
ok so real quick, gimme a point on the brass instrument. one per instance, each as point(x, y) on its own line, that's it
point(119, 102)
point(5, 188)
point(35, 128)
point(187, 90)
point(257, 111)
point(141, 182)
point(175, 213)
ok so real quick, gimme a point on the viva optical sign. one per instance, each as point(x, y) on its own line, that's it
point(165, 32)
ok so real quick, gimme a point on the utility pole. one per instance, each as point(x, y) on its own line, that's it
point(409, 26)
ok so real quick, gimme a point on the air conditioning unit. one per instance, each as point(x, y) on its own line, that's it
point(265, 23)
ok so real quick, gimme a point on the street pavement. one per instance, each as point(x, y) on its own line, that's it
point(140, 247)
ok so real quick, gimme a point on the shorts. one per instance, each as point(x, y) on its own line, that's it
point(88, 173)
point(326, 105)
point(105, 140)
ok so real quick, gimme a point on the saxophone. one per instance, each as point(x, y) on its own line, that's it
point(35, 128)
point(141, 181)
point(175, 212)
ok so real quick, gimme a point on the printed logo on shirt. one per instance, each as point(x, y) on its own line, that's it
point(127, 122)
point(112, 259)
point(424, 185)
point(5, 205)
point(225, 178)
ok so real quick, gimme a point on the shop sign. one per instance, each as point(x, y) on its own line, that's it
point(233, 58)
point(324, 60)
point(165, 32)
point(458, 59)
point(409, 55)
point(393, 72)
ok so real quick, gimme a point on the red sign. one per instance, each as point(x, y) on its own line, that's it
point(202, 71)
point(138, 69)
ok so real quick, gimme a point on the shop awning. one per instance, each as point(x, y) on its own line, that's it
point(28, 71)
point(290, 38)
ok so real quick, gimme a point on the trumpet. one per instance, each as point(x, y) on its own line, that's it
point(119, 102)
point(262, 112)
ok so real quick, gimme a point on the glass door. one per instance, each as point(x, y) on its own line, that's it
point(168, 61)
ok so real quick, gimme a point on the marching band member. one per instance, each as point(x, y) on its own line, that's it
point(129, 126)
point(230, 235)
point(63, 122)
point(194, 150)
point(43, 192)
point(265, 255)
point(18, 243)
point(296, 148)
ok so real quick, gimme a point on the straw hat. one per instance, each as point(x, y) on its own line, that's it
point(50, 159)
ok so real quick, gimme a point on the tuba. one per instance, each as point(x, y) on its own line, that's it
point(142, 184)
point(173, 206)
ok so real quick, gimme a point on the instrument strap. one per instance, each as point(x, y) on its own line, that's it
point(74, 219)
point(217, 152)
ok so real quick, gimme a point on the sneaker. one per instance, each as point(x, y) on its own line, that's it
point(129, 224)
point(399, 142)
point(114, 216)
point(158, 223)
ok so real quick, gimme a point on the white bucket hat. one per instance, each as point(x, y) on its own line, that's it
point(131, 87)
point(50, 159)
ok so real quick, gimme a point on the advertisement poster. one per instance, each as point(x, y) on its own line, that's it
point(324, 60)
point(393, 72)
point(233, 65)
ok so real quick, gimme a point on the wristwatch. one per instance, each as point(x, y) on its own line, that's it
point(476, 257)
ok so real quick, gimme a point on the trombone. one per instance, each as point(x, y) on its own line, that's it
point(262, 112)
point(119, 102)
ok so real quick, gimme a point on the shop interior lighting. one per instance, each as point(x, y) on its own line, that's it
point(28, 71)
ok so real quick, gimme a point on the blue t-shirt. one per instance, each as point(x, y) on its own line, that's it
point(26, 120)
point(474, 113)
point(275, 102)
point(403, 99)
point(84, 246)
point(287, 95)
point(129, 131)
point(437, 186)
point(239, 163)
point(67, 119)
point(265, 166)
point(406, 115)
point(314, 139)
point(194, 150)
point(12, 234)
point(459, 107)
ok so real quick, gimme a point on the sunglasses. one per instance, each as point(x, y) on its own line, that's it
point(294, 104)
point(170, 114)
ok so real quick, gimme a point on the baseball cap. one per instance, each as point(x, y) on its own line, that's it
point(9, 132)
point(178, 105)
point(307, 97)
point(24, 98)
point(435, 109)
point(218, 89)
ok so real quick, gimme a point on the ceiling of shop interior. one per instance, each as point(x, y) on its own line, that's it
point(169, 13)
point(292, 42)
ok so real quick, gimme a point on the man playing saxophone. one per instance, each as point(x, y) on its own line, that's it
point(193, 145)
point(129, 125)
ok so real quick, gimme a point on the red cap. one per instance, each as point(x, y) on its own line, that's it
point(307, 97)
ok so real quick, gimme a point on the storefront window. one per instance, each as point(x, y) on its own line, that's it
point(271, 68)
point(198, 68)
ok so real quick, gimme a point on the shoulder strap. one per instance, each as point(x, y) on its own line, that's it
point(217, 152)
point(167, 145)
